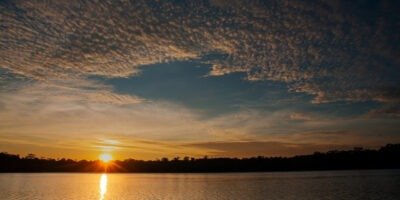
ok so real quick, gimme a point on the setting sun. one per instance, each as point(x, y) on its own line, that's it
point(105, 157)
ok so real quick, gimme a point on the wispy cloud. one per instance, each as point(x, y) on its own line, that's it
point(389, 111)
point(261, 148)
point(68, 91)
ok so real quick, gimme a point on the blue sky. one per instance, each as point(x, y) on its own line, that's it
point(149, 79)
point(188, 83)
point(225, 94)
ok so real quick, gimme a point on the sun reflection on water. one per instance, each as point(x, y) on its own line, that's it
point(103, 186)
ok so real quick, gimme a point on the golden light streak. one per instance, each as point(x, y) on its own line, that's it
point(103, 186)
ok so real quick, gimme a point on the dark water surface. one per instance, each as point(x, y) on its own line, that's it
point(351, 185)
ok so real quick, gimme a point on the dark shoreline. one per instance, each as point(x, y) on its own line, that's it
point(211, 172)
point(386, 157)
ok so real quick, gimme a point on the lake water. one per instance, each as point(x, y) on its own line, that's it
point(343, 185)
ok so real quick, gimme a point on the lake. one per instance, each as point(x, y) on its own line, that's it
point(343, 185)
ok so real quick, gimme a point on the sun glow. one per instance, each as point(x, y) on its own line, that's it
point(105, 157)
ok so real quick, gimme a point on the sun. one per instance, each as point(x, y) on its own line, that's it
point(105, 157)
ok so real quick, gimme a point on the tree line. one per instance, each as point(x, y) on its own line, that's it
point(386, 157)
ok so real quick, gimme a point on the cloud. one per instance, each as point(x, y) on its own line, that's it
point(288, 126)
point(56, 121)
point(79, 91)
point(388, 111)
point(300, 116)
point(335, 51)
point(297, 143)
point(57, 40)
point(261, 148)
point(325, 94)
point(62, 119)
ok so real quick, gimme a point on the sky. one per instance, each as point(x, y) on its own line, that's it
point(222, 78)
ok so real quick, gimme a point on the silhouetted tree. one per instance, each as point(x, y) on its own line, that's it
point(30, 156)
point(384, 158)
